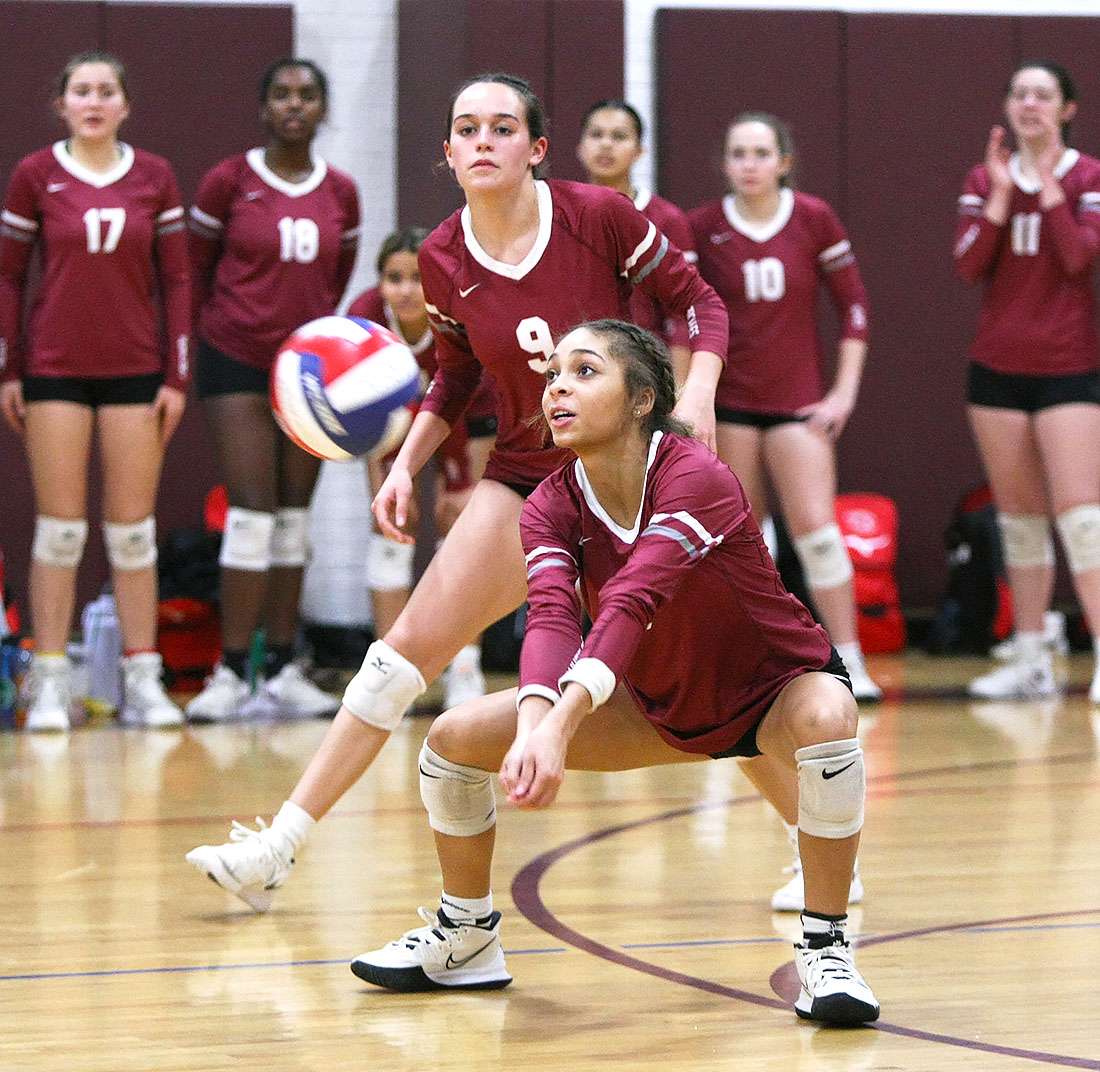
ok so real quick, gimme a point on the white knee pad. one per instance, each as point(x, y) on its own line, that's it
point(131, 547)
point(290, 537)
point(389, 564)
point(1079, 528)
point(1026, 540)
point(384, 687)
point(246, 544)
point(831, 785)
point(459, 799)
point(58, 541)
point(824, 558)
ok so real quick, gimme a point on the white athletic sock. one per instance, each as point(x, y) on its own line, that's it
point(818, 931)
point(466, 909)
point(1029, 647)
point(1096, 649)
point(293, 823)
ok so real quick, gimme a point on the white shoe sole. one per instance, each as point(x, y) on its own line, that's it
point(414, 979)
point(843, 1010)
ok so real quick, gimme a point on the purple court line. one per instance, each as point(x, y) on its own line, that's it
point(527, 897)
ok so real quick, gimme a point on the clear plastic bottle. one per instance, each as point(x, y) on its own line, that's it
point(24, 659)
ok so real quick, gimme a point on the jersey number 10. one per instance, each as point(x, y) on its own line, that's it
point(765, 279)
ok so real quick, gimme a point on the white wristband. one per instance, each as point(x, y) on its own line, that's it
point(593, 675)
point(537, 690)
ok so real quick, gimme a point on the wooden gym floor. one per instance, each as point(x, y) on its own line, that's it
point(636, 910)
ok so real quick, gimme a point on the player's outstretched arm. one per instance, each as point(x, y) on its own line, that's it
point(391, 504)
point(534, 767)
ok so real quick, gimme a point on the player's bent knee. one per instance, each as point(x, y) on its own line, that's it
point(460, 800)
point(59, 541)
point(831, 786)
point(389, 564)
point(824, 558)
point(290, 537)
point(387, 683)
point(1079, 528)
point(1026, 539)
point(131, 547)
point(246, 544)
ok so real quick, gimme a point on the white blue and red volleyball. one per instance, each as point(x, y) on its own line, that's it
point(335, 383)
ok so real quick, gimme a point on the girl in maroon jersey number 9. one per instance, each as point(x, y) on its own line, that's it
point(520, 264)
point(110, 223)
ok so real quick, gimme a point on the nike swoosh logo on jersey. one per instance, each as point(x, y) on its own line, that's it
point(718, 239)
point(462, 293)
point(827, 774)
point(54, 187)
point(452, 963)
point(253, 194)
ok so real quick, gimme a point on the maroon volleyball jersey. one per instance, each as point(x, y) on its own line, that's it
point(769, 276)
point(592, 248)
point(687, 606)
point(674, 225)
point(112, 246)
point(452, 452)
point(1037, 315)
point(269, 255)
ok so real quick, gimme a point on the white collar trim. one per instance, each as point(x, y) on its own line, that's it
point(255, 158)
point(759, 232)
point(394, 325)
point(1033, 186)
point(625, 535)
point(542, 239)
point(98, 179)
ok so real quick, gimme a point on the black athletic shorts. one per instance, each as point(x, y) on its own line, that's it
point(219, 374)
point(751, 419)
point(93, 391)
point(481, 427)
point(747, 748)
point(1005, 390)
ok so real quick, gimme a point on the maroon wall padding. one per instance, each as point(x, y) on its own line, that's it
point(915, 127)
point(713, 65)
point(193, 74)
point(442, 43)
point(886, 133)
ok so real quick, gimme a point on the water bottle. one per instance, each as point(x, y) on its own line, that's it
point(9, 654)
point(24, 658)
point(103, 645)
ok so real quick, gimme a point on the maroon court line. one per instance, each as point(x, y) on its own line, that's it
point(527, 897)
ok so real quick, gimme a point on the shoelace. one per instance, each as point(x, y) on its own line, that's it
point(420, 934)
point(830, 962)
point(240, 832)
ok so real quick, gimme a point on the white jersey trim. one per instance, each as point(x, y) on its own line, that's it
point(625, 535)
point(759, 232)
point(255, 158)
point(1033, 186)
point(394, 325)
point(542, 239)
point(21, 222)
point(98, 179)
point(642, 197)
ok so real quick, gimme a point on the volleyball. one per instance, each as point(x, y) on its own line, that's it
point(336, 382)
